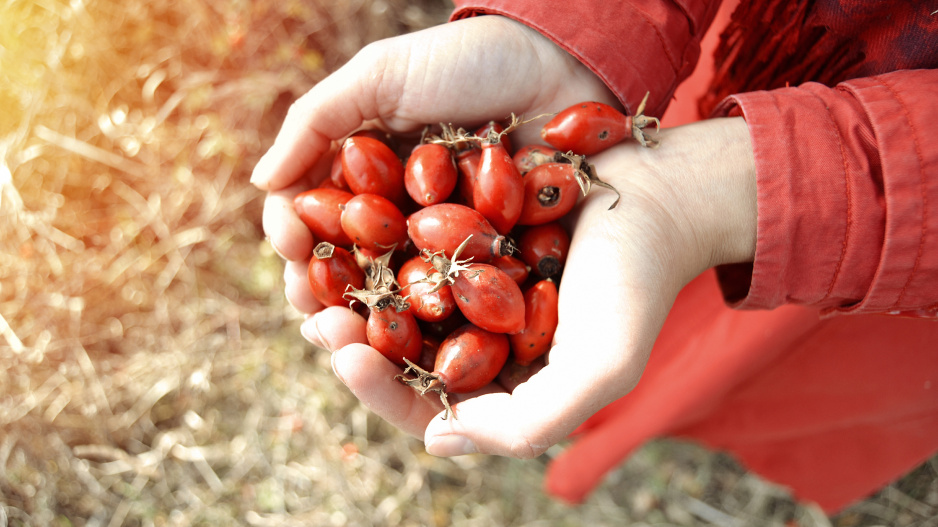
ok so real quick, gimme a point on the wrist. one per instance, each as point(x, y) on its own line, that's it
point(695, 193)
point(716, 167)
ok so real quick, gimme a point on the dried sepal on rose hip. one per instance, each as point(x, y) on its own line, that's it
point(380, 288)
point(391, 328)
point(379, 276)
point(427, 302)
point(586, 175)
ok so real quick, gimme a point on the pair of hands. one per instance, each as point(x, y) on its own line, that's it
point(686, 206)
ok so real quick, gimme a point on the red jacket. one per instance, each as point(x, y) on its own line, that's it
point(810, 379)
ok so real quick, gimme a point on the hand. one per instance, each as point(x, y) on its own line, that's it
point(465, 72)
point(686, 206)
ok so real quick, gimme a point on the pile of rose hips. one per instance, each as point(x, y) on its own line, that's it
point(454, 255)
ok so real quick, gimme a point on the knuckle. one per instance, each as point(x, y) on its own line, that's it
point(523, 448)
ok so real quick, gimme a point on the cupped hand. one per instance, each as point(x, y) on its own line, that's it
point(686, 206)
point(466, 72)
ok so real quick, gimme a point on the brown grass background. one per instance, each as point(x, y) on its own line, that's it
point(152, 372)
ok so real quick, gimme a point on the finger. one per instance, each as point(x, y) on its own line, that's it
point(335, 327)
point(297, 290)
point(330, 111)
point(371, 378)
point(287, 233)
point(524, 424)
point(514, 374)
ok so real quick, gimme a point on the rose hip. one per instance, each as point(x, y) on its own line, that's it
point(540, 321)
point(445, 226)
point(424, 304)
point(331, 270)
point(544, 248)
point(550, 192)
point(371, 167)
point(499, 188)
point(373, 222)
point(430, 174)
point(395, 334)
point(467, 161)
point(321, 211)
point(468, 360)
point(489, 298)
point(591, 127)
point(336, 176)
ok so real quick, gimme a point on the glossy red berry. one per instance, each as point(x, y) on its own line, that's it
point(373, 222)
point(489, 298)
point(499, 188)
point(467, 161)
point(425, 305)
point(430, 174)
point(470, 358)
point(371, 167)
point(395, 334)
point(591, 127)
point(550, 192)
point(544, 248)
point(336, 175)
point(540, 322)
point(330, 271)
point(445, 226)
point(321, 211)
point(586, 128)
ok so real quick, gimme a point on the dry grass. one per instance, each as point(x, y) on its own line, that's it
point(153, 373)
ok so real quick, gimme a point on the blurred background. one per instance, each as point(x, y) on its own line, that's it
point(152, 372)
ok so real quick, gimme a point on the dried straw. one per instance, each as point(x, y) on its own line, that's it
point(153, 373)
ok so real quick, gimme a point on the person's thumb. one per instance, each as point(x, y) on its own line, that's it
point(330, 111)
point(538, 414)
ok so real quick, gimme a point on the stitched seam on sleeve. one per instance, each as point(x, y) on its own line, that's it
point(846, 236)
point(661, 40)
point(923, 185)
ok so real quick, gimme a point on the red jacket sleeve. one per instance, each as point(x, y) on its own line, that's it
point(634, 47)
point(847, 196)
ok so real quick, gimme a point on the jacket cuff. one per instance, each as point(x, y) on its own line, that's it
point(847, 197)
point(633, 48)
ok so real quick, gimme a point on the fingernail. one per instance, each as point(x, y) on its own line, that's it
point(451, 445)
point(256, 175)
point(335, 371)
point(276, 250)
point(310, 331)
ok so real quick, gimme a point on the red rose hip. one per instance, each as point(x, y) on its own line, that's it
point(430, 174)
point(373, 222)
point(321, 211)
point(331, 270)
point(445, 226)
point(540, 321)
